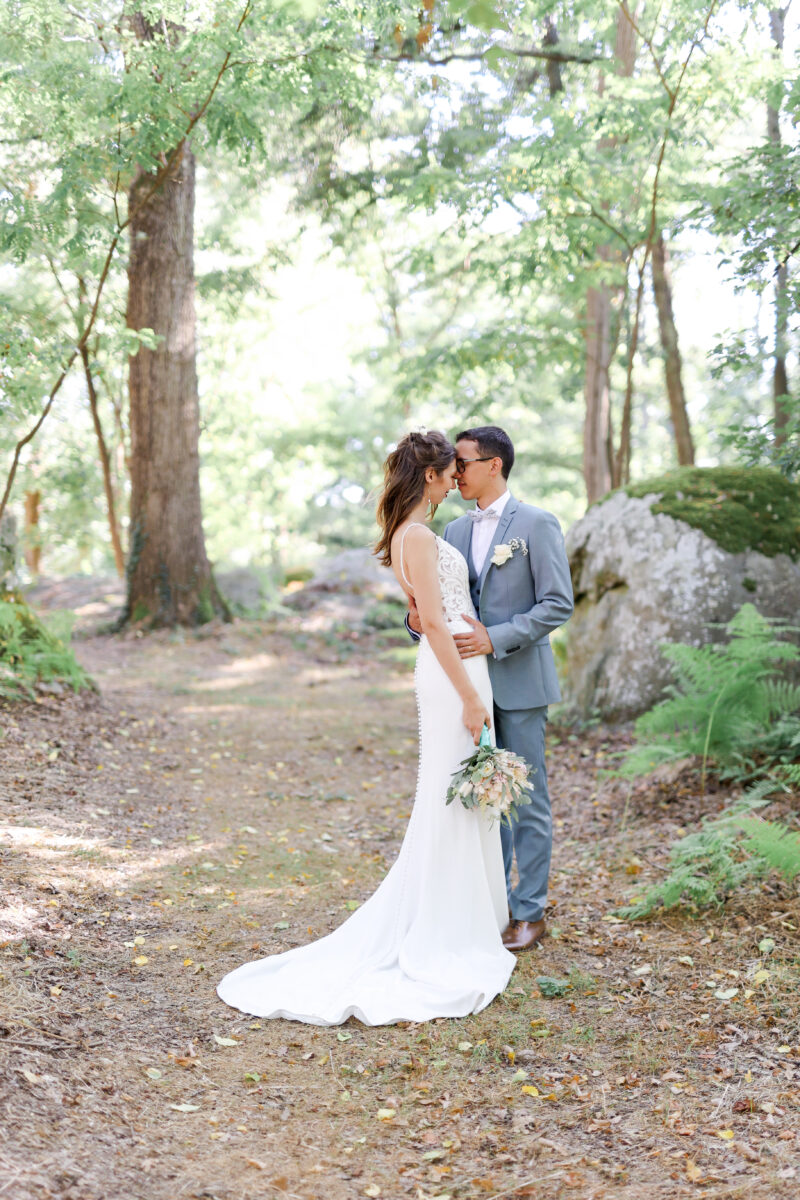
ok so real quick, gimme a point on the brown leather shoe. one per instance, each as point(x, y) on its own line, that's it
point(521, 935)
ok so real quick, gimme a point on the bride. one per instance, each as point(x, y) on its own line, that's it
point(427, 943)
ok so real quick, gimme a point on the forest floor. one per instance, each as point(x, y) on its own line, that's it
point(231, 793)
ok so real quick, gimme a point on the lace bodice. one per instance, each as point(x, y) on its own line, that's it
point(453, 582)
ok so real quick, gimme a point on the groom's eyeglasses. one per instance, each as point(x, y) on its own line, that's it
point(462, 462)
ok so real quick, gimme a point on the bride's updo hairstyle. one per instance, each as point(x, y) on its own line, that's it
point(404, 482)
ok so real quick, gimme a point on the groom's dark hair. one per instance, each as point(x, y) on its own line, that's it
point(494, 441)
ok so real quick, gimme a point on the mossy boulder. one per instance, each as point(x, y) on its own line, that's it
point(740, 508)
point(671, 559)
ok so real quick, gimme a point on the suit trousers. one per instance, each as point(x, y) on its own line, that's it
point(530, 836)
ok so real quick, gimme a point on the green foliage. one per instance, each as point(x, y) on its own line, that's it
point(741, 508)
point(756, 444)
point(729, 704)
point(778, 846)
point(550, 987)
point(708, 865)
point(32, 653)
point(385, 614)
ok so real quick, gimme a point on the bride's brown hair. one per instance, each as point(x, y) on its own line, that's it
point(404, 482)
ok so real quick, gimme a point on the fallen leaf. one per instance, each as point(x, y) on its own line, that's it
point(372, 1189)
point(727, 1134)
point(386, 1114)
point(530, 1090)
point(761, 976)
point(550, 987)
point(464, 1046)
point(693, 1172)
point(185, 1107)
point(153, 1073)
point(726, 993)
point(141, 959)
point(225, 1041)
point(747, 1151)
point(519, 1075)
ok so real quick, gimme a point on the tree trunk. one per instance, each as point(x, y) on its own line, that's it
point(105, 463)
point(32, 544)
point(597, 431)
point(662, 293)
point(780, 379)
point(169, 576)
point(598, 440)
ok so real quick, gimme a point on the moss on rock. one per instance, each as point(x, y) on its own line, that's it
point(740, 508)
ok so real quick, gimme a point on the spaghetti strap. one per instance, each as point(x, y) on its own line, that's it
point(402, 545)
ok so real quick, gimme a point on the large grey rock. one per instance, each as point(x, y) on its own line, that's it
point(245, 588)
point(8, 551)
point(643, 578)
point(346, 589)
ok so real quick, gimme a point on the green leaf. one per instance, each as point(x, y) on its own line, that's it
point(551, 987)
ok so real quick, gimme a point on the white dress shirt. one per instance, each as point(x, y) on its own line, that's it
point(483, 531)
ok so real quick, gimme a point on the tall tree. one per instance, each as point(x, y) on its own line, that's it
point(170, 580)
point(780, 378)
point(598, 455)
point(662, 293)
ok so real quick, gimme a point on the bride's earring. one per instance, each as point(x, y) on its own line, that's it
point(429, 513)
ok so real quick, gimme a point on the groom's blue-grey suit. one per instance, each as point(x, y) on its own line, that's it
point(520, 603)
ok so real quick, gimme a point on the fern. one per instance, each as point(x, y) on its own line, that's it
point(31, 653)
point(728, 703)
point(775, 843)
point(710, 864)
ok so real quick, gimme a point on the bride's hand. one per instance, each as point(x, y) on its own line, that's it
point(475, 717)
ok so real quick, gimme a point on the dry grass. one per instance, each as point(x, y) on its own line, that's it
point(233, 795)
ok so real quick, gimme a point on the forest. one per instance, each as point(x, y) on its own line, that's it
point(245, 247)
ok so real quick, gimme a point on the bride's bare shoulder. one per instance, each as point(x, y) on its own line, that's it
point(412, 536)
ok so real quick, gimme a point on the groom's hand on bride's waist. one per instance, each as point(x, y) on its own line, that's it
point(413, 616)
point(477, 641)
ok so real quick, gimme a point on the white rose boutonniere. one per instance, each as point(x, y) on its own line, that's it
point(503, 551)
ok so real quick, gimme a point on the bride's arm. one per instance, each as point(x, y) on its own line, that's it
point(420, 558)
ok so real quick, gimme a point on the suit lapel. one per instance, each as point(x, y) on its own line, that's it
point(499, 534)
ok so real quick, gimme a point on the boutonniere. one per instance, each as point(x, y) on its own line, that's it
point(503, 551)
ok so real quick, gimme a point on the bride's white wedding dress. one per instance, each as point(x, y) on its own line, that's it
point(427, 943)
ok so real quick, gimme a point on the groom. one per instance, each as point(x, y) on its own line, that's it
point(520, 585)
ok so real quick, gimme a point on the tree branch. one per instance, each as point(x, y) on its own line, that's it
point(554, 56)
point(158, 180)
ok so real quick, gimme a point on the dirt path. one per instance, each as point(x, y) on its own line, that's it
point(233, 795)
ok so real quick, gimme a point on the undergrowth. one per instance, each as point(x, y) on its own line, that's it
point(31, 652)
point(731, 703)
point(734, 707)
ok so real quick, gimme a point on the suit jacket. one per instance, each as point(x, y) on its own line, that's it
point(520, 602)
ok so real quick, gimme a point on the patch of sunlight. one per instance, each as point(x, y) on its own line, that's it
point(37, 837)
point(17, 920)
point(322, 674)
point(240, 669)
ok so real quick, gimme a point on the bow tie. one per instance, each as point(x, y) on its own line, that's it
point(481, 514)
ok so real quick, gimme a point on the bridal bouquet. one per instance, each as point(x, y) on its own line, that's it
point(491, 780)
